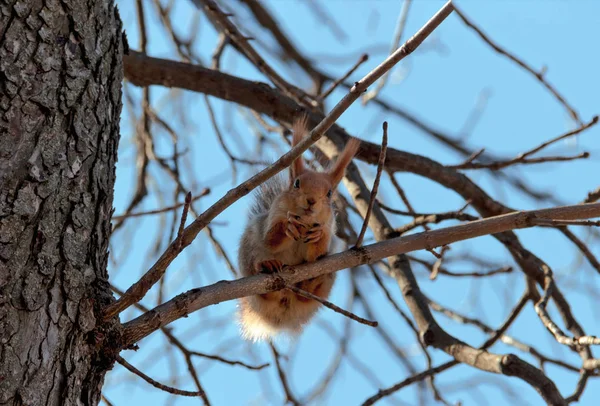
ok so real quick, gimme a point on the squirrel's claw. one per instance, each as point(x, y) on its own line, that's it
point(295, 219)
point(314, 234)
point(292, 232)
point(296, 229)
point(270, 266)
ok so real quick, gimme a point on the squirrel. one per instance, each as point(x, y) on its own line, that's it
point(290, 223)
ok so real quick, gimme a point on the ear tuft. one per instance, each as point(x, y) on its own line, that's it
point(299, 131)
point(339, 169)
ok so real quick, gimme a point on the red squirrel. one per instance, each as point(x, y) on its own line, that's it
point(290, 223)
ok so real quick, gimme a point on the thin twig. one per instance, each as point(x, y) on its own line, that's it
point(335, 84)
point(438, 264)
point(435, 219)
point(474, 117)
point(186, 208)
point(559, 335)
point(400, 25)
point(380, 163)
point(526, 297)
point(232, 158)
point(327, 21)
point(227, 361)
point(412, 326)
point(582, 128)
point(286, 387)
point(220, 250)
point(408, 381)
point(592, 196)
point(443, 271)
point(523, 158)
point(538, 75)
point(494, 166)
point(473, 156)
point(105, 400)
point(434, 371)
point(266, 19)
point(331, 306)
point(506, 339)
point(159, 385)
point(457, 214)
point(218, 52)
point(223, 24)
point(202, 193)
point(583, 377)
point(585, 250)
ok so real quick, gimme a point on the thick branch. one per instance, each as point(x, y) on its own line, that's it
point(196, 299)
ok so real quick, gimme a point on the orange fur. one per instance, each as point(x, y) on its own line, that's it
point(299, 131)
point(290, 226)
point(343, 160)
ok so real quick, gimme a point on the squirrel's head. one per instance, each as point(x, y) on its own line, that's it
point(312, 191)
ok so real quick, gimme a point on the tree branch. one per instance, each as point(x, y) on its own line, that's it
point(159, 385)
point(196, 299)
point(538, 75)
point(375, 188)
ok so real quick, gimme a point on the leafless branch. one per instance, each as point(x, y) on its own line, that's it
point(159, 385)
point(331, 306)
point(518, 161)
point(284, 382)
point(524, 157)
point(593, 196)
point(506, 339)
point(559, 335)
point(200, 195)
point(336, 83)
point(380, 163)
point(230, 362)
point(186, 208)
point(402, 17)
point(198, 298)
point(538, 75)
point(408, 381)
point(444, 271)
point(105, 400)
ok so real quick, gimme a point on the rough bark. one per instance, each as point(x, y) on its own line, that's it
point(60, 104)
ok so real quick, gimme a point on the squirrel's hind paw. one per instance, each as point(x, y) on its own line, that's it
point(270, 266)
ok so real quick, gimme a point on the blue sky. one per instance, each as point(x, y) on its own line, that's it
point(440, 84)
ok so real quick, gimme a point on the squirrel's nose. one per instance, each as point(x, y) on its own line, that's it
point(310, 201)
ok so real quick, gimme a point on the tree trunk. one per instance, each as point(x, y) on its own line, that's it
point(60, 105)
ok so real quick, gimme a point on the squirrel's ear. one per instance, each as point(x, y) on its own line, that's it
point(339, 168)
point(299, 131)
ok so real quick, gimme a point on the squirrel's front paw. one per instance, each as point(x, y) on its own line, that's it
point(295, 229)
point(270, 266)
point(314, 234)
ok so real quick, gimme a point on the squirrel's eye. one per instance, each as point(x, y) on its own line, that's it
point(329, 193)
point(296, 183)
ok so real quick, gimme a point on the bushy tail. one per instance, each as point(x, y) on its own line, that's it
point(252, 326)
